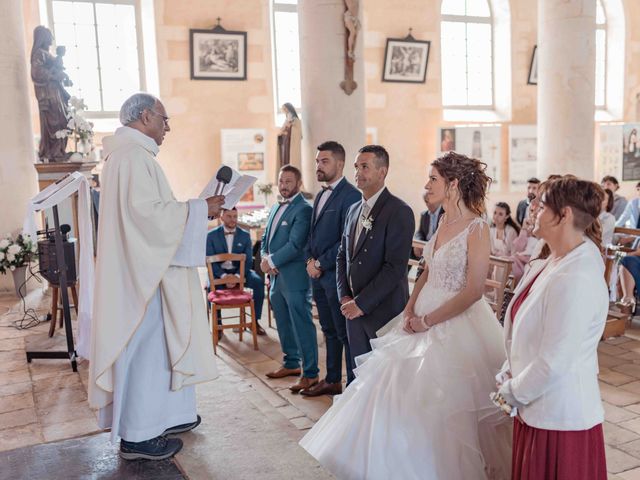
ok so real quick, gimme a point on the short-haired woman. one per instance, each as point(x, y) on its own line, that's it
point(552, 328)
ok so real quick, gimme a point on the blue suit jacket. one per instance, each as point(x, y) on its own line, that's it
point(288, 244)
point(216, 244)
point(326, 229)
point(374, 272)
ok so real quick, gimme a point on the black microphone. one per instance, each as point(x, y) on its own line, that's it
point(64, 230)
point(224, 177)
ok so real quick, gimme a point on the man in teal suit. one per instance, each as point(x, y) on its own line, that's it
point(283, 259)
point(229, 238)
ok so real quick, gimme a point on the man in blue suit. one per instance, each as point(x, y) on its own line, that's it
point(229, 238)
point(371, 268)
point(327, 222)
point(283, 259)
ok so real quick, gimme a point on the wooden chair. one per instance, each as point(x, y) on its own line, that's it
point(496, 282)
point(230, 298)
point(413, 262)
point(56, 306)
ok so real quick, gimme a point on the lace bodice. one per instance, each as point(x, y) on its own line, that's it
point(448, 265)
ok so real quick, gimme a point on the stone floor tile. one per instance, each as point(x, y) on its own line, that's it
point(15, 388)
point(64, 412)
point(630, 369)
point(62, 380)
point(18, 418)
point(633, 474)
point(633, 345)
point(611, 349)
point(614, 378)
point(20, 401)
point(618, 340)
point(273, 398)
point(289, 412)
point(70, 429)
point(617, 396)
point(609, 361)
point(633, 425)
point(41, 369)
point(615, 414)
point(21, 436)
point(11, 344)
point(61, 396)
point(312, 407)
point(619, 461)
point(17, 376)
point(302, 423)
point(618, 434)
point(632, 356)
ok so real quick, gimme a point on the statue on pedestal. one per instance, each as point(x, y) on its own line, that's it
point(49, 80)
point(290, 138)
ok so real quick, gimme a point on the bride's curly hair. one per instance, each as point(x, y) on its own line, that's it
point(473, 181)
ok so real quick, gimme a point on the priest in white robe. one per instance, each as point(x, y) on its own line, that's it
point(150, 338)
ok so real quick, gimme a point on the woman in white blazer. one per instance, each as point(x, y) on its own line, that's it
point(552, 328)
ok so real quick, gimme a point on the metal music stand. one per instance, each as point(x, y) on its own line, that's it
point(61, 265)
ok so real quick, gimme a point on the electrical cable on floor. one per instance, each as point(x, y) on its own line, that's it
point(30, 317)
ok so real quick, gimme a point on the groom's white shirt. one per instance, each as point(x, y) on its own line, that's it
point(552, 347)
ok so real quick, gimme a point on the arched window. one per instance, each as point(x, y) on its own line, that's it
point(286, 53)
point(466, 34)
point(104, 50)
point(601, 55)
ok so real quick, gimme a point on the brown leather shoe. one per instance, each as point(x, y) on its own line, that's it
point(303, 384)
point(260, 330)
point(322, 388)
point(284, 372)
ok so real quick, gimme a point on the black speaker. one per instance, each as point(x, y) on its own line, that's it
point(49, 260)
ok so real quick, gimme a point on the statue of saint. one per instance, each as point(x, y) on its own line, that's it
point(49, 80)
point(290, 138)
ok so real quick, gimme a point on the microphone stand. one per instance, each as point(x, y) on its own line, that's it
point(61, 265)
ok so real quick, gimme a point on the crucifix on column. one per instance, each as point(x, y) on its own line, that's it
point(352, 25)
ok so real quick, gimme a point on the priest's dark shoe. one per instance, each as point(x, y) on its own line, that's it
point(157, 448)
point(260, 330)
point(284, 372)
point(185, 427)
point(322, 388)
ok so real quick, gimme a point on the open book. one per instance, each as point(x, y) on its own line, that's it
point(233, 191)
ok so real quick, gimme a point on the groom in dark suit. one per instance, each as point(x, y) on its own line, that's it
point(371, 265)
point(327, 222)
point(283, 245)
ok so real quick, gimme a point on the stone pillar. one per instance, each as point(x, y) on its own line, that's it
point(566, 87)
point(17, 149)
point(328, 113)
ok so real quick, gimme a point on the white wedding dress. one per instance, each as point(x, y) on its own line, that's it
point(419, 407)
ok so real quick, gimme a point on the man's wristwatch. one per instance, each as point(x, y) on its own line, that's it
point(317, 264)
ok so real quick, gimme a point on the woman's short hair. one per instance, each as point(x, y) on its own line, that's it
point(473, 182)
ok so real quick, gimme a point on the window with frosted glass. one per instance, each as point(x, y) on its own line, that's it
point(102, 58)
point(467, 53)
point(286, 46)
point(601, 55)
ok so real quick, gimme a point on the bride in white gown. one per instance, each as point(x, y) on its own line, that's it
point(419, 407)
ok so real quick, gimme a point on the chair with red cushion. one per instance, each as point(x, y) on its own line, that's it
point(235, 297)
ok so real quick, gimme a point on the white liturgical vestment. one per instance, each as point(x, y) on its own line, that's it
point(150, 338)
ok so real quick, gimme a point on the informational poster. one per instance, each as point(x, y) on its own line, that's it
point(610, 149)
point(483, 143)
point(631, 151)
point(245, 150)
point(523, 155)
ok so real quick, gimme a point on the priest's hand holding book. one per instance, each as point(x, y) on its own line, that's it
point(214, 205)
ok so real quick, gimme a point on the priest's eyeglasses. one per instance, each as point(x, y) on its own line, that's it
point(164, 117)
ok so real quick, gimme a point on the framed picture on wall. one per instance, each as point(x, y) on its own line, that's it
point(405, 60)
point(218, 54)
point(533, 68)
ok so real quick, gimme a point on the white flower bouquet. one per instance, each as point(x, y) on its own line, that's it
point(16, 252)
point(78, 127)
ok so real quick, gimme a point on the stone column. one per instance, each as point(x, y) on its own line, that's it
point(17, 149)
point(566, 87)
point(328, 113)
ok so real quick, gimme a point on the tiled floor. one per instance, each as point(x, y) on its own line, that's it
point(252, 424)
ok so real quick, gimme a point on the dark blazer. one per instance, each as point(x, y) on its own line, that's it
point(326, 229)
point(421, 233)
point(377, 265)
point(216, 244)
point(521, 211)
point(288, 244)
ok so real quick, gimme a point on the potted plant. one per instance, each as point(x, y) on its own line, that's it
point(79, 129)
point(15, 255)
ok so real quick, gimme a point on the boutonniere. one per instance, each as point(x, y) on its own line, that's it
point(367, 223)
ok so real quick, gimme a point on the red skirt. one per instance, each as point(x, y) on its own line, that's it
point(557, 455)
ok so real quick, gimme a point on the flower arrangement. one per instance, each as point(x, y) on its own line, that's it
point(78, 127)
point(16, 252)
point(265, 189)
